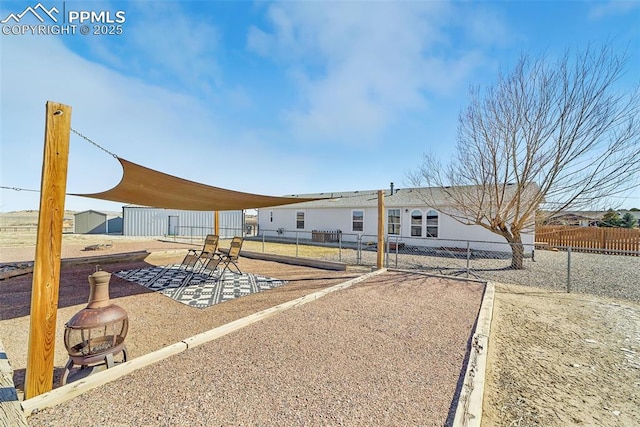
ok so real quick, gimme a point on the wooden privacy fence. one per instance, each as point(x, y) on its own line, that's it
point(596, 239)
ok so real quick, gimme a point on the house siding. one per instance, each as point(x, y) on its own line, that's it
point(450, 232)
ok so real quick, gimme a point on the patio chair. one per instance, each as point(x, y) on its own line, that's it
point(196, 260)
point(226, 259)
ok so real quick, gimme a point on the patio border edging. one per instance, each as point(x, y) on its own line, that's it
point(74, 389)
point(287, 259)
point(469, 410)
point(10, 410)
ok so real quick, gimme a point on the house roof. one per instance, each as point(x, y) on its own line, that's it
point(401, 197)
point(89, 211)
point(592, 215)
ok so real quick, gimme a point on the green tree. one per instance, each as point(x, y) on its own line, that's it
point(628, 221)
point(610, 219)
point(552, 135)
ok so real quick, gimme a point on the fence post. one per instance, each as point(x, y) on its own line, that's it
point(386, 253)
point(468, 257)
point(340, 247)
point(297, 245)
point(263, 242)
point(397, 244)
point(568, 269)
point(359, 250)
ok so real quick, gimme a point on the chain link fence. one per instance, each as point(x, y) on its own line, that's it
point(564, 268)
point(614, 274)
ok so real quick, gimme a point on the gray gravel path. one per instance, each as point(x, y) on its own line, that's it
point(614, 276)
point(388, 351)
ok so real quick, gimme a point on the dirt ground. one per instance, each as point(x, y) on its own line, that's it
point(555, 359)
point(558, 359)
point(155, 320)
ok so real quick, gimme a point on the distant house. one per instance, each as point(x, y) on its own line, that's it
point(148, 221)
point(407, 219)
point(585, 218)
point(94, 222)
point(575, 218)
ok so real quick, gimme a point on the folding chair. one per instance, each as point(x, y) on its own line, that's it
point(196, 260)
point(225, 259)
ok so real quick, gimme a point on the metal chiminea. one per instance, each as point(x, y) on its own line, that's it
point(95, 334)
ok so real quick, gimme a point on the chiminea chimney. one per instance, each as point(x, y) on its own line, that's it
point(391, 189)
point(95, 334)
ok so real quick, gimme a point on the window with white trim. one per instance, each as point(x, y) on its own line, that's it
point(416, 223)
point(432, 223)
point(393, 221)
point(357, 220)
point(300, 220)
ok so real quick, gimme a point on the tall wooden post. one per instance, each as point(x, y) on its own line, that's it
point(216, 223)
point(380, 258)
point(46, 269)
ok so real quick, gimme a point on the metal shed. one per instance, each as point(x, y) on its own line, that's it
point(146, 221)
point(94, 222)
point(90, 222)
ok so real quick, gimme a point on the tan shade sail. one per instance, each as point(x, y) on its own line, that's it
point(148, 187)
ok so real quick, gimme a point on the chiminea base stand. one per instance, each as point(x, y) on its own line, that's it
point(74, 372)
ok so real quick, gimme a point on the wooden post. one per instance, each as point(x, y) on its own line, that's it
point(380, 258)
point(216, 223)
point(46, 269)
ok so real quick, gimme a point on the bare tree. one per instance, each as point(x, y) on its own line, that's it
point(547, 135)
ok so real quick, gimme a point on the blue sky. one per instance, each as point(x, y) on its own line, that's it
point(274, 97)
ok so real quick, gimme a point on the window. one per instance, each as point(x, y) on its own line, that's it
point(357, 220)
point(393, 221)
point(300, 220)
point(432, 223)
point(270, 216)
point(416, 223)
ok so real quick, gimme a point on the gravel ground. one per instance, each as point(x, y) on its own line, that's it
point(554, 358)
point(21, 248)
point(613, 276)
point(388, 351)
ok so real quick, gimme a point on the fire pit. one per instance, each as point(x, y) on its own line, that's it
point(95, 334)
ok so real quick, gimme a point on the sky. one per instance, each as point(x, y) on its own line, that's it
point(270, 97)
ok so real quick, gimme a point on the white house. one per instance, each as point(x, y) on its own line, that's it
point(355, 214)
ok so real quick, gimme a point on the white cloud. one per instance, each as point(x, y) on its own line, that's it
point(110, 109)
point(360, 67)
point(143, 123)
point(164, 45)
point(612, 8)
